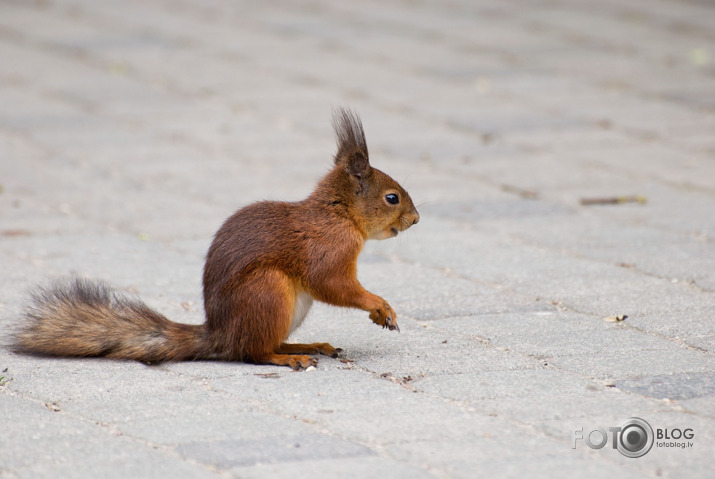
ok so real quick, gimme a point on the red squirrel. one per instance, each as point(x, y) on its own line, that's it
point(264, 268)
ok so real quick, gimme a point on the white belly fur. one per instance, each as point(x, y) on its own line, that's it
point(303, 302)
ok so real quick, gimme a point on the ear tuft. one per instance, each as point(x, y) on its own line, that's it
point(352, 148)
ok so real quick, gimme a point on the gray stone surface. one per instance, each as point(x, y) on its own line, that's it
point(130, 130)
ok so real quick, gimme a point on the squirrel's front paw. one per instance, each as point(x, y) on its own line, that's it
point(385, 316)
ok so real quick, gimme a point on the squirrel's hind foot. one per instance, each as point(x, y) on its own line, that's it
point(294, 361)
point(312, 349)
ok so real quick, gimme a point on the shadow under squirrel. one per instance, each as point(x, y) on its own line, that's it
point(266, 265)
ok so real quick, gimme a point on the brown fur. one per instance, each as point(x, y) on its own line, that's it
point(86, 318)
point(265, 264)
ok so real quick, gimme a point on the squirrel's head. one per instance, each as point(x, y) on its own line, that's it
point(381, 206)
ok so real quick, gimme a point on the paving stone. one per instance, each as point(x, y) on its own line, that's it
point(671, 386)
point(234, 453)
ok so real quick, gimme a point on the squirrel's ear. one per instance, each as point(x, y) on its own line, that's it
point(352, 148)
point(358, 165)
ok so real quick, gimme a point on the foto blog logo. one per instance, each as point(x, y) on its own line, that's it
point(633, 437)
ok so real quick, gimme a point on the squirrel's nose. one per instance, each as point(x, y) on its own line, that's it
point(416, 218)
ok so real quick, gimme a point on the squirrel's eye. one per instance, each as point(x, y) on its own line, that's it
point(392, 198)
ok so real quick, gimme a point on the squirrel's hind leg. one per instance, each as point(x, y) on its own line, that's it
point(268, 308)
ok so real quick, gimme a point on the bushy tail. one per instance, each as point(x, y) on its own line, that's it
point(87, 318)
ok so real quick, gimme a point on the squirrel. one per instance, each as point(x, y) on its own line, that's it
point(266, 265)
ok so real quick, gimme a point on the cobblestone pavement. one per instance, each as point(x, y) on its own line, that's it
point(129, 130)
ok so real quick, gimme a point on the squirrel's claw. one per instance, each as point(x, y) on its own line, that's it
point(391, 324)
point(385, 317)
